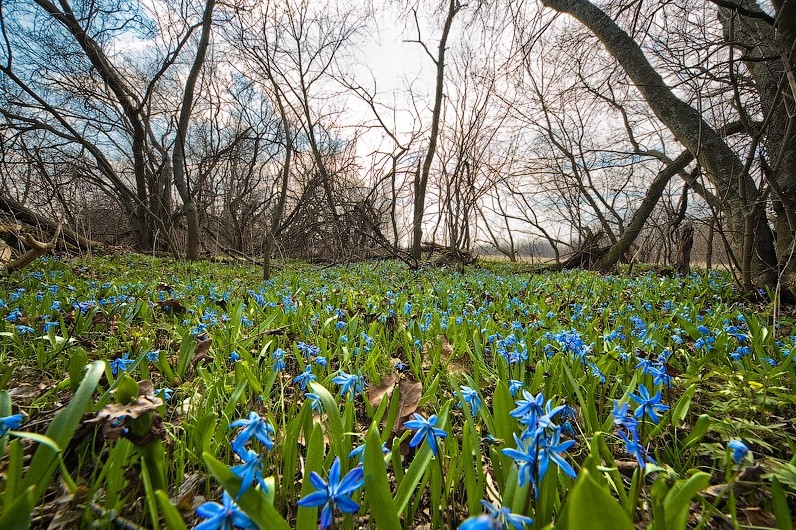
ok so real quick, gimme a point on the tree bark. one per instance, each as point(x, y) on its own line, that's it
point(684, 245)
point(421, 180)
point(722, 166)
point(178, 155)
point(609, 260)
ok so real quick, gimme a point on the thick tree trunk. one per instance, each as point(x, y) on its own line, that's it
point(722, 166)
point(178, 157)
point(765, 52)
point(684, 245)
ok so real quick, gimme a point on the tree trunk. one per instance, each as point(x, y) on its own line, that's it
point(421, 180)
point(178, 156)
point(684, 245)
point(765, 52)
point(722, 166)
point(609, 260)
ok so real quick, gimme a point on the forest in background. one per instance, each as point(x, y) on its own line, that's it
point(272, 129)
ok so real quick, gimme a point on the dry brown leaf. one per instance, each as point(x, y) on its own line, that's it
point(759, 518)
point(5, 252)
point(113, 416)
point(203, 343)
point(376, 393)
point(24, 393)
point(447, 349)
point(410, 390)
point(172, 306)
point(456, 365)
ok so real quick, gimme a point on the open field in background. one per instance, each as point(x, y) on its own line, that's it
point(570, 398)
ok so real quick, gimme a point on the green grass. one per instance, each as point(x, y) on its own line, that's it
point(576, 337)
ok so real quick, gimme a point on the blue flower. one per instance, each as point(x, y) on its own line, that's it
point(24, 330)
point(636, 449)
point(10, 423)
point(530, 405)
point(360, 451)
point(14, 315)
point(739, 450)
point(234, 356)
point(504, 517)
point(480, 522)
point(425, 429)
point(279, 360)
point(305, 377)
point(471, 397)
point(514, 387)
point(315, 401)
point(253, 427)
point(648, 405)
point(223, 516)
point(334, 494)
point(250, 471)
point(308, 350)
point(622, 418)
point(349, 384)
point(525, 459)
point(153, 356)
point(164, 393)
point(121, 363)
point(550, 449)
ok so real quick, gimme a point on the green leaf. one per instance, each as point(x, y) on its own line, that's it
point(60, 431)
point(677, 504)
point(700, 428)
point(590, 505)
point(171, 515)
point(149, 494)
point(307, 516)
point(13, 473)
point(38, 438)
point(377, 486)
point(126, 390)
point(253, 502)
point(18, 514)
point(333, 415)
point(780, 506)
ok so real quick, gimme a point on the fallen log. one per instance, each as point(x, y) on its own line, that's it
point(35, 249)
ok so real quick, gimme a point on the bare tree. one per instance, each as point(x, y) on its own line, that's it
point(742, 198)
point(424, 170)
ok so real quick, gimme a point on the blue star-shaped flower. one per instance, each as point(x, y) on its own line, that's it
point(335, 494)
point(739, 450)
point(223, 516)
point(253, 427)
point(305, 377)
point(121, 363)
point(426, 429)
point(636, 449)
point(480, 522)
point(648, 405)
point(10, 423)
point(504, 517)
point(524, 457)
point(622, 418)
point(471, 397)
point(250, 471)
point(349, 383)
point(550, 449)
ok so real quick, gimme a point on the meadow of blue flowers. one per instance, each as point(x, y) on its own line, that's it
point(369, 395)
